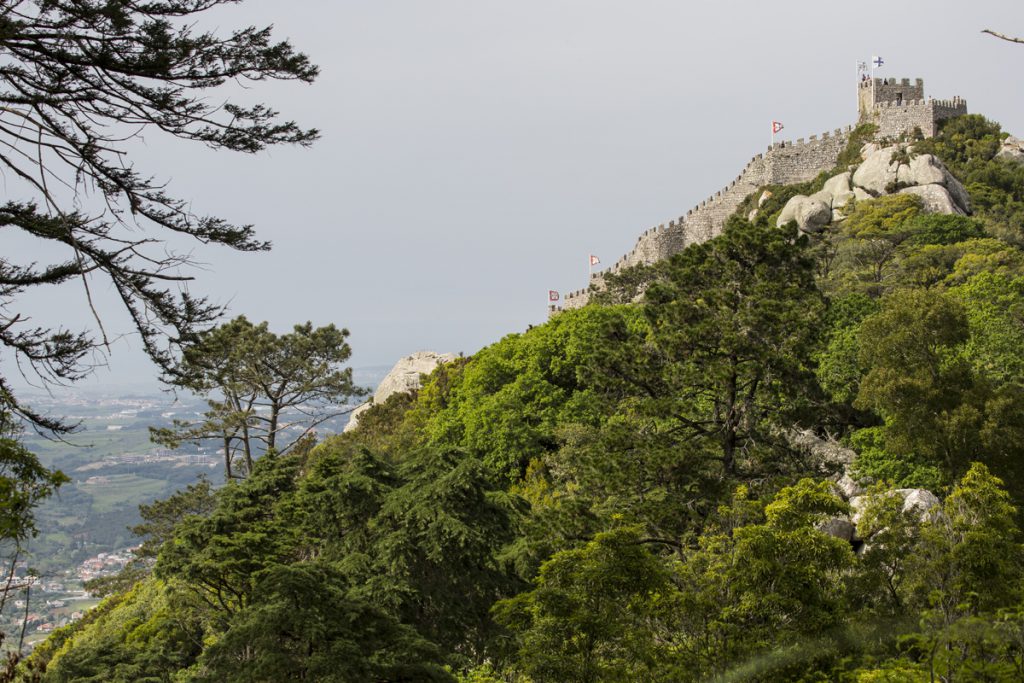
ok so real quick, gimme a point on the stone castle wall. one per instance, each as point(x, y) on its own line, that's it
point(783, 164)
point(897, 108)
point(894, 119)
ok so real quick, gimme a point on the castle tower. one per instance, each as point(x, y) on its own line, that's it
point(874, 91)
point(899, 108)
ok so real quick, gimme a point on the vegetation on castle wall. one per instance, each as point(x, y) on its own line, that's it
point(859, 136)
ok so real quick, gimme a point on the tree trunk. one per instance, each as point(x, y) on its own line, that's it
point(275, 414)
point(227, 458)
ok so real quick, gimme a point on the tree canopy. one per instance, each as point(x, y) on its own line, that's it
point(259, 384)
point(618, 494)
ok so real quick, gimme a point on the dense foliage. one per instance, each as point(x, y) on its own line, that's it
point(616, 495)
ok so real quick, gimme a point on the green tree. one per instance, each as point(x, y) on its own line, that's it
point(343, 492)
point(506, 402)
point(915, 379)
point(936, 408)
point(732, 323)
point(763, 592)
point(868, 245)
point(885, 564)
point(436, 536)
point(137, 636)
point(219, 558)
point(80, 81)
point(255, 380)
point(592, 614)
point(994, 306)
point(302, 625)
point(967, 570)
point(838, 367)
point(694, 391)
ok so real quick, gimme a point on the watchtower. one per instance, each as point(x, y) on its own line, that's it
point(899, 107)
point(874, 91)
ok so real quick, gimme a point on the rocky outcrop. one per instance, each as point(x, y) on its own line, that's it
point(835, 461)
point(884, 170)
point(920, 501)
point(1012, 149)
point(839, 527)
point(810, 213)
point(934, 199)
point(404, 376)
point(829, 457)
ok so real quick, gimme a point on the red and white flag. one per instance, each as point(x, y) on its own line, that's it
point(594, 260)
point(552, 295)
point(777, 126)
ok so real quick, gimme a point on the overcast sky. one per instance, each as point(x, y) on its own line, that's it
point(474, 153)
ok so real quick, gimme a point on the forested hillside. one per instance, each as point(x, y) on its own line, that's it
point(615, 495)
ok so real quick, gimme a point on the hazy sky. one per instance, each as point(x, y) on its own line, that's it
point(475, 152)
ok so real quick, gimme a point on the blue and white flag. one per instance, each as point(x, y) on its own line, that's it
point(877, 61)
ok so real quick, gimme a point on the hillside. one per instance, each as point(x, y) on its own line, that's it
point(618, 494)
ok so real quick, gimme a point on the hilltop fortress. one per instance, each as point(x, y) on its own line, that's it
point(897, 107)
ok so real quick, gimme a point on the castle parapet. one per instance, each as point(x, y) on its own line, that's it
point(897, 107)
point(785, 163)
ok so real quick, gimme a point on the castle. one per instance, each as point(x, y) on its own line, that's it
point(897, 108)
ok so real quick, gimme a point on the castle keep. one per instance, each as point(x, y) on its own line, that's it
point(897, 108)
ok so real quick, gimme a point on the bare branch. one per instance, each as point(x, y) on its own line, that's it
point(1003, 36)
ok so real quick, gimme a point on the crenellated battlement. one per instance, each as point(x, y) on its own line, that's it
point(897, 107)
point(878, 83)
point(786, 162)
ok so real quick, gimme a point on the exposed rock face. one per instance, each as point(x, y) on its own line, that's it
point(1012, 149)
point(405, 376)
point(810, 213)
point(882, 170)
point(838, 189)
point(830, 457)
point(920, 501)
point(935, 198)
point(821, 208)
point(848, 486)
point(923, 169)
point(877, 171)
point(839, 527)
